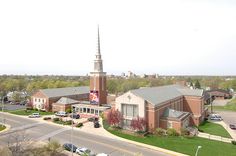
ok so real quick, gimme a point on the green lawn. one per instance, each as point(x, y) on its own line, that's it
point(28, 112)
point(183, 144)
point(214, 129)
point(230, 106)
point(2, 127)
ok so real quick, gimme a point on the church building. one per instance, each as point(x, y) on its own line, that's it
point(88, 100)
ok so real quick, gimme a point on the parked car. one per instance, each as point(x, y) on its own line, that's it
point(84, 151)
point(102, 154)
point(96, 124)
point(75, 116)
point(215, 117)
point(23, 102)
point(69, 147)
point(34, 115)
point(232, 126)
point(61, 113)
point(92, 119)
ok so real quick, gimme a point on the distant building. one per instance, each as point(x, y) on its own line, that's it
point(218, 94)
point(171, 106)
point(44, 98)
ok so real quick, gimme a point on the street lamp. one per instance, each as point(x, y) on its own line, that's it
point(198, 147)
point(3, 120)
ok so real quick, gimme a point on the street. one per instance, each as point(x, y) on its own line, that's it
point(41, 131)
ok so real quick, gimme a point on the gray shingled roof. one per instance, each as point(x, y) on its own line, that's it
point(57, 92)
point(158, 95)
point(66, 100)
point(171, 113)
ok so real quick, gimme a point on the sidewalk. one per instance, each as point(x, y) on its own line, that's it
point(219, 138)
point(229, 130)
point(214, 137)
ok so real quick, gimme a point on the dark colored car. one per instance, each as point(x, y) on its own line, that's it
point(232, 126)
point(93, 119)
point(75, 116)
point(96, 124)
point(69, 147)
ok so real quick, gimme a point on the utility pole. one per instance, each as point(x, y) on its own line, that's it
point(72, 110)
point(211, 104)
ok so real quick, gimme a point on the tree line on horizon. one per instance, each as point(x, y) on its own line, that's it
point(114, 85)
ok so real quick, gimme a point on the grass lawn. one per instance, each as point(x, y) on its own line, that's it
point(28, 112)
point(183, 144)
point(214, 129)
point(2, 127)
point(230, 106)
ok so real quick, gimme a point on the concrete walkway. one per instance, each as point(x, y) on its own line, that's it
point(228, 129)
point(214, 137)
point(219, 138)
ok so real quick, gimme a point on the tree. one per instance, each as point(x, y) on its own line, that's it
point(197, 85)
point(114, 117)
point(138, 124)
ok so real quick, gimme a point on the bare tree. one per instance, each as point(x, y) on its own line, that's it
point(18, 142)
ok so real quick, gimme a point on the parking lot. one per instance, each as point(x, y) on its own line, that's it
point(228, 118)
point(10, 107)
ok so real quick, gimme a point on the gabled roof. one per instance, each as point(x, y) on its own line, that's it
point(158, 95)
point(57, 92)
point(65, 100)
point(174, 114)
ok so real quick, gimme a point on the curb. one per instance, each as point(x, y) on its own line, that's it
point(6, 129)
point(173, 153)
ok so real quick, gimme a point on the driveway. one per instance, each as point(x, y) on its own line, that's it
point(220, 102)
point(228, 118)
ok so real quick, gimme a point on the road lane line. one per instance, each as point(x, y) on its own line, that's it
point(24, 127)
point(44, 137)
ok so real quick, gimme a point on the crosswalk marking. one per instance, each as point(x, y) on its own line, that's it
point(24, 127)
point(44, 137)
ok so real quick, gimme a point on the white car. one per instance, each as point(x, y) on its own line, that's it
point(34, 115)
point(215, 117)
point(102, 154)
point(83, 151)
point(61, 113)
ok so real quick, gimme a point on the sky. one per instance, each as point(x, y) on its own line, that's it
point(171, 37)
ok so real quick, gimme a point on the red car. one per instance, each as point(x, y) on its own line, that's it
point(232, 126)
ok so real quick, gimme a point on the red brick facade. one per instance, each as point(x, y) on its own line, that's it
point(98, 83)
point(193, 105)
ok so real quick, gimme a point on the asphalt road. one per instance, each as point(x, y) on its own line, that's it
point(40, 131)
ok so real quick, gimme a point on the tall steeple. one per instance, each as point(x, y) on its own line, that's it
point(98, 67)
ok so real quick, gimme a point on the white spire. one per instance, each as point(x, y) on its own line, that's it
point(98, 67)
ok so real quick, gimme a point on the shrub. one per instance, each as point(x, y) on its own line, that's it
point(69, 122)
point(55, 119)
point(233, 142)
point(46, 118)
point(79, 124)
point(29, 108)
point(184, 132)
point(200, 130)
point(138, 124)
point(171, 132)
point(160, 132)
point(68, 110)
